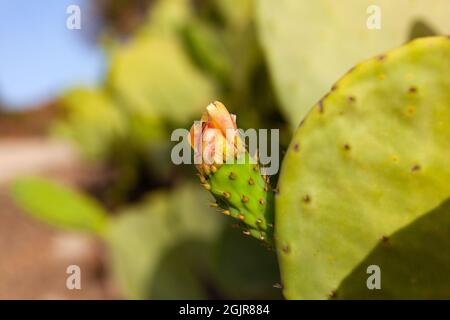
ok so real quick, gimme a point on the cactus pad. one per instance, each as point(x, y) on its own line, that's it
point(244, 194)
point(310, 44)
point(371, 158)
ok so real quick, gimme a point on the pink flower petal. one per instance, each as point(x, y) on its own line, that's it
point(220, 117)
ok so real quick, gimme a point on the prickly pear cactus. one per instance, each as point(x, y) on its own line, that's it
point(244, 195)
point(371, 157)
point(150, 241)
point(228, 171)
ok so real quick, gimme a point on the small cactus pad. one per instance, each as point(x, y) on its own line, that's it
point(243, 193)
point(371, 157)
point(310, 44)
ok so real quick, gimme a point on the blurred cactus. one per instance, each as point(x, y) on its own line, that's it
point(310, 44)
point(159, 248)
point(245, 269)
point(160, 79)
point(411, 262)
point(182, 56)
point(365, 179)
point(152, 76)
point(222, 40)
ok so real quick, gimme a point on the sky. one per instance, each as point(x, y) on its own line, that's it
point(39, 56)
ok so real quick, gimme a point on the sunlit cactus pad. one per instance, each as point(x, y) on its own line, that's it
point(371, 158)
point(245, 195)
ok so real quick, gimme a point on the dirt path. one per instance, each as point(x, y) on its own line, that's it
point(19, 156)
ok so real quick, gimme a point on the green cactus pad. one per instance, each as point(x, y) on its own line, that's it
point(310, 44)
point(160, 248)
point(244, 194)
point(370, 158)
point(91, 119)
point(59, 205)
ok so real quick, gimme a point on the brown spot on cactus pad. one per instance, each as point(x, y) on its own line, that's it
point(412, 89)
point(286, 249)
point(307, 198)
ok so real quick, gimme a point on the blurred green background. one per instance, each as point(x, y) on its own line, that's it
point(164, 61)
point(147, 68)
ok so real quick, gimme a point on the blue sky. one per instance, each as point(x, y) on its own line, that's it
point(39, 56)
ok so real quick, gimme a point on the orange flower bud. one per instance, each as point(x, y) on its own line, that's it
point(215, 137)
